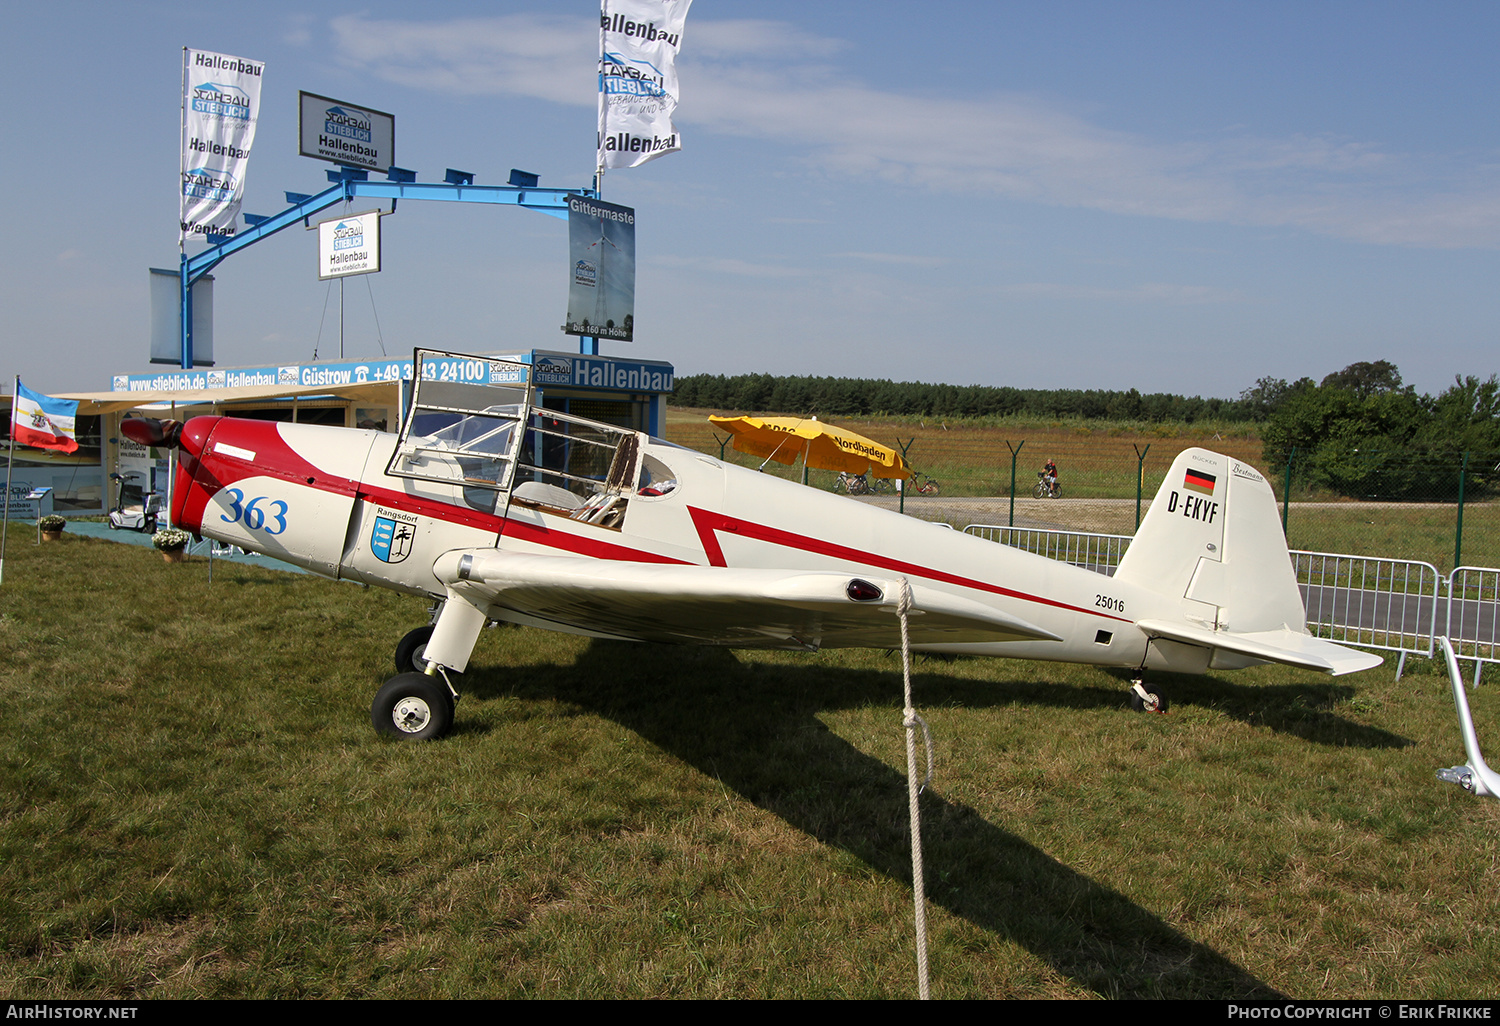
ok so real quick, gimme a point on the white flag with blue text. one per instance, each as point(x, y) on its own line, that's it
point(638, 45)
point(220, 105)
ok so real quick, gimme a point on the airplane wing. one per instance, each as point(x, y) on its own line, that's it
point(1283, 646)
point(718, 605)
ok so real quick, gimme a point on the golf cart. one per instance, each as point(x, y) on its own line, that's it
point(134, 518)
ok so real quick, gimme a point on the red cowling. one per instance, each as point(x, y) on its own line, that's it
point(193, 485)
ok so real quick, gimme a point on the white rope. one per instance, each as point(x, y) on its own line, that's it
point(911, 720)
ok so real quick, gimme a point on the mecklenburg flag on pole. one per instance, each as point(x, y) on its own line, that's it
point(43, 422)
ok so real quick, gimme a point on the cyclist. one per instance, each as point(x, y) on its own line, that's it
point(1049, 475)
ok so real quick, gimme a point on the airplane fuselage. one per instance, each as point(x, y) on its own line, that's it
point(320, 498)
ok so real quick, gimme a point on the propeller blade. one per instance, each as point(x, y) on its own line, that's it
point(152, 432)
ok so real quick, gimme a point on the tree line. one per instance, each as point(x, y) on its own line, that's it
point(834, 397)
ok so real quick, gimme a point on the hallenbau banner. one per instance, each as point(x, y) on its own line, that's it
point(638, 45)
point(220, 104)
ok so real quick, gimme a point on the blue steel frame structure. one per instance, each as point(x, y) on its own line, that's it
point(349, 183)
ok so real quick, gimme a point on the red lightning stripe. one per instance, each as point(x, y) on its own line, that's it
point(709, 524)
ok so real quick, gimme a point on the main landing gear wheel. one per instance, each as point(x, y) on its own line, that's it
point(413, 707)
point(411, 649)
point(1143, 699)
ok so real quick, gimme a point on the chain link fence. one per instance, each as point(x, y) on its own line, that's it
point(1441, 509)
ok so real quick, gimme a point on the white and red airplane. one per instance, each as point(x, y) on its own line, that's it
point(505, 511)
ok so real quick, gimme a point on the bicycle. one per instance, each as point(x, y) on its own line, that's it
point(854, 484)
point(924, 485)
point(1045, 489)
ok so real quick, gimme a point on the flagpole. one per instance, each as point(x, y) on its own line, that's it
point(182, 153)
point(599, 156)
point(184, 290)
point(10, 464)
point(172, 475)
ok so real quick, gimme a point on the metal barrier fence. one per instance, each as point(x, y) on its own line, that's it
point(1097, 552)
point(1390, 604)
point(1473, 624)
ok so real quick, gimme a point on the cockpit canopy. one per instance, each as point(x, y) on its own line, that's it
point(494, 443)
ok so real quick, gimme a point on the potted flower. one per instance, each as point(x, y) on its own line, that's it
point(171, 541)
point(52, 526)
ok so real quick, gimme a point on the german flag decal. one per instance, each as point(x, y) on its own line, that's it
point(1198, 481)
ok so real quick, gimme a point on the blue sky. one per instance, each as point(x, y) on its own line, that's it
point(1176, 197)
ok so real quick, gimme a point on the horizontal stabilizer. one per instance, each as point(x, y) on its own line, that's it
point(719, 605)
point(1277, 646)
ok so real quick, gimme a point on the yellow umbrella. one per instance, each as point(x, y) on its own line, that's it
point(820, 445)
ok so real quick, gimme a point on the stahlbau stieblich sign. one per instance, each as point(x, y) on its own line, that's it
point(342, 133)
point(349, 245)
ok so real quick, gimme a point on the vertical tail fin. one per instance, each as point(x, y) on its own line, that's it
point(1213, 540)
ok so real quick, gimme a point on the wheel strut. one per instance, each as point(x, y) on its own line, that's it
point(1143, 699)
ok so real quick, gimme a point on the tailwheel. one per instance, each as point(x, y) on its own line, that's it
point(413, 707)
point(1143, 699)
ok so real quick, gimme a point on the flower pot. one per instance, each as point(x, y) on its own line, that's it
point(172, 555)
point(51, 535)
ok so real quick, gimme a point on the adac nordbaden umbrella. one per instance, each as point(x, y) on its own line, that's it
point(785, 439)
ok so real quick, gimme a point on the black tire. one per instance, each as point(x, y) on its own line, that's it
point(1136, 703)
point(409, 650)
point(412, 707)
point(1041, 490)
point(1057, 491)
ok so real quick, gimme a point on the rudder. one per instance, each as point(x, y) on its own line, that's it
point(1212, 540)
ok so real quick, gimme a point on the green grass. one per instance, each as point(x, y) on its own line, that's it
point(193, 804)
